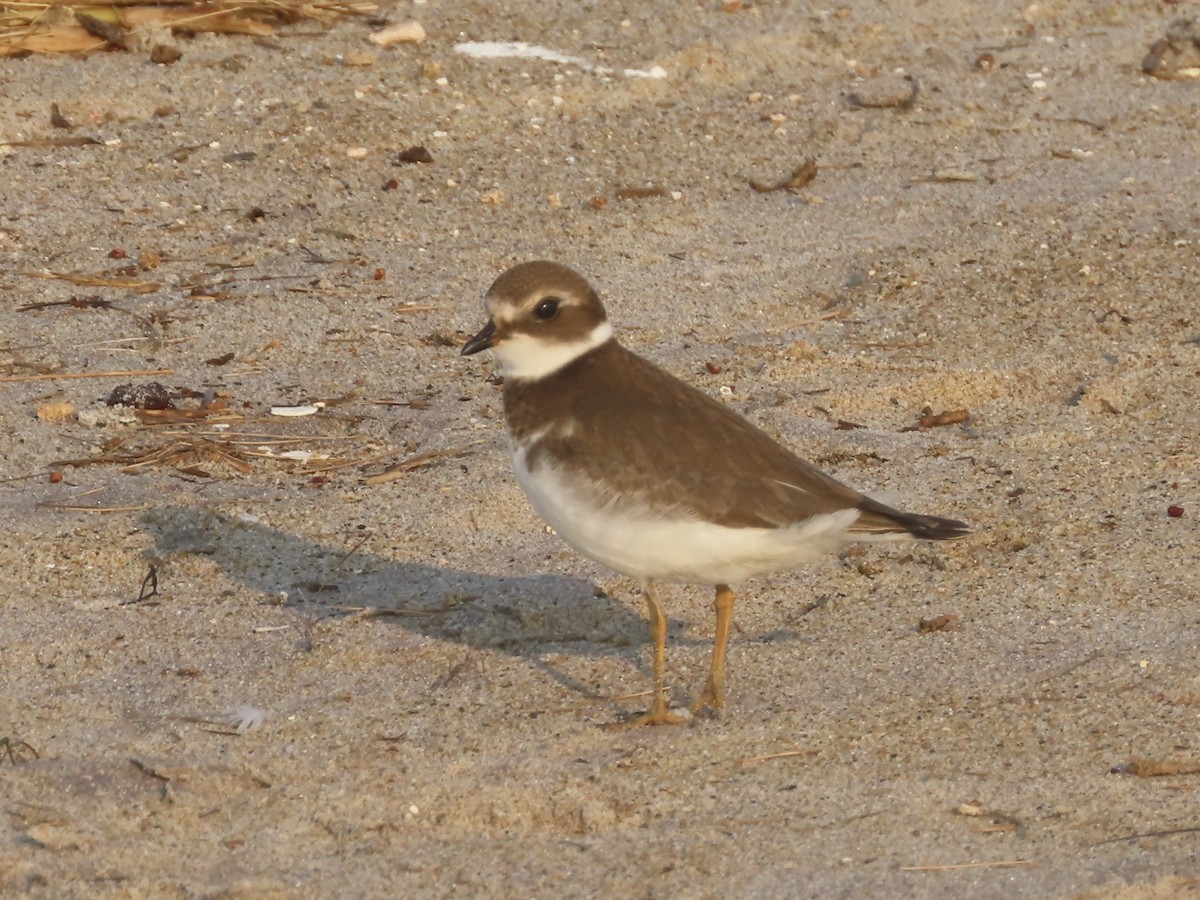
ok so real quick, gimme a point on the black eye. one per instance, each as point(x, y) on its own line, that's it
point(547, 309)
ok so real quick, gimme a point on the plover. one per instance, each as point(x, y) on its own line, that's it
point(651, 477)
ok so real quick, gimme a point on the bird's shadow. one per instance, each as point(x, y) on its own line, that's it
point(523, 616)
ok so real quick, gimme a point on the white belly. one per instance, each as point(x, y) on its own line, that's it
point(669, 544)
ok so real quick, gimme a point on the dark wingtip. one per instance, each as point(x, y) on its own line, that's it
point(880, 519)
point(935, 528)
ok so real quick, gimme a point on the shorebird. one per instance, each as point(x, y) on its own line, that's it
point(649, 476)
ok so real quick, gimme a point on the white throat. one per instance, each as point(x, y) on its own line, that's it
point(526, 356)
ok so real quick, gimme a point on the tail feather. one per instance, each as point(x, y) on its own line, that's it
point(881, 520)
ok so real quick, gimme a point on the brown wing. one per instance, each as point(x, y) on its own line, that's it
point(682, 443)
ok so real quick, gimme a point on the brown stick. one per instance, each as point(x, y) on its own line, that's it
point(55, 376)
point(975, 865)
point(764, 757)
point(394, 472)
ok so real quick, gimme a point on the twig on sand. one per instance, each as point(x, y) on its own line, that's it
point(56, 376)
point(1157, 768)
point(70, 504)
point(391, 473)
point(1167, 832)
point(764, 757)
point(811, 320)
point(997, 864)
point(17, 751)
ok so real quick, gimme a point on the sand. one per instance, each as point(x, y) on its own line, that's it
point(1019, 240)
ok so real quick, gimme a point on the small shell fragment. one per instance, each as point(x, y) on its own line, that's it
point(410, 32)
point(945, 175)
point(294, 411)
point(57, 411)
point(304, 456)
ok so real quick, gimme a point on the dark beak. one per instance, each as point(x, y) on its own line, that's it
point(482, 341)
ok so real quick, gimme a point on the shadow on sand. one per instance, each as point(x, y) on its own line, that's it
point(523, 616)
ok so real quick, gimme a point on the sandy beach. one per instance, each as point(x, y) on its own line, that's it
point(248, 654)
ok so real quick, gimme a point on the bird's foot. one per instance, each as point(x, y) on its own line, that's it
point(658, 714)
point(711, 698)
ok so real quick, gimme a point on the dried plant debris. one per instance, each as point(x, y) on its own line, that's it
point(165, 54)
point(952, 176)
point(930, 419)
point(410, 32)
point(641, 193)
point(74, 141)
point(414, 154)
point(133, 284)
point(149, 588)
point(81, 26)
point(73, 303)
point(62, 376)
point(201, 435)
point(112, 32)
point(944, 622)
point(886, 93)
point(151, 395)
point(443, 339)
point(397, 470)
point(56, 412)
point(1159, 768)
point(801, 176)
point(1176, 55)
point(57, 119)
point(16, 751)
point(243, 718)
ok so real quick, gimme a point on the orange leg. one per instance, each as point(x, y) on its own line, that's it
point(714, 692)
point(660, 711)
